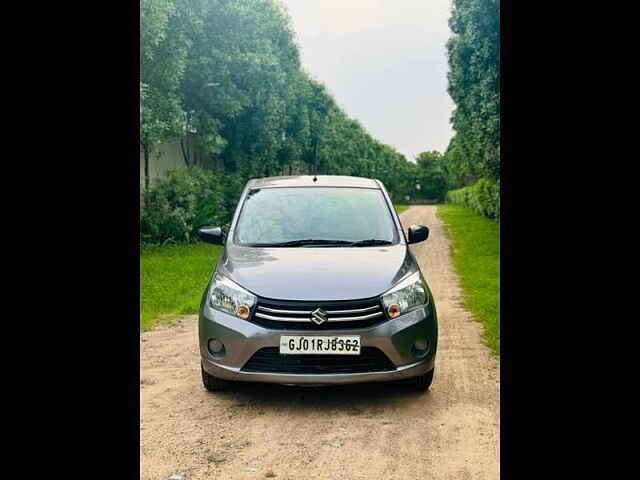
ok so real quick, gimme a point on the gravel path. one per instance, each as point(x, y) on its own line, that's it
point(376, 431)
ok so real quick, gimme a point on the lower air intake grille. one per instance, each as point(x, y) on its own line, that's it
point(268, 359)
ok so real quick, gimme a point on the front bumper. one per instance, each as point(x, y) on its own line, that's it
point(241, 339)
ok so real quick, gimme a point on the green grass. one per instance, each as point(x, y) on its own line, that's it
point(475, 250)
point(401, 208)
point(172, 279)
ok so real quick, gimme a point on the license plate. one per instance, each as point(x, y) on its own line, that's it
point(334, 345)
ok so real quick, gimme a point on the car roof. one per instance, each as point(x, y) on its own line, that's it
point(307, 181)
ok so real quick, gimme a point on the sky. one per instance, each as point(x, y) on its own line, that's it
point(385, 63)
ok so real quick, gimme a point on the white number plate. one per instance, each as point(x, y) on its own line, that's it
point(299, 344)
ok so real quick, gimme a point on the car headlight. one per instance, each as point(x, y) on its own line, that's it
point(407, 295)
point(229, 297)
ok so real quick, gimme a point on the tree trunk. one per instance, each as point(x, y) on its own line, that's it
point(146, 167)
point(185, 150)
point(315, 156)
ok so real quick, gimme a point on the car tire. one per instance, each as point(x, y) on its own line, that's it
point(423, 382)
point(213, 384)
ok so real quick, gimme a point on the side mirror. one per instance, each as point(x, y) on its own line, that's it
point(211, 235)
point(418, 233)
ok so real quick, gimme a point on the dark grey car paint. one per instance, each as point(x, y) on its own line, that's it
point(316, 273)
point(323, 273)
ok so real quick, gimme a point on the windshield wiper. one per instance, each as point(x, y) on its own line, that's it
point(310, 242)
point(370, 242)
point(301, 243)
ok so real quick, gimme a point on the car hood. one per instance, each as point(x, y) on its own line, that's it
point(316, 274)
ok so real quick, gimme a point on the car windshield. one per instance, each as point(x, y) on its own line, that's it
point(315, 215)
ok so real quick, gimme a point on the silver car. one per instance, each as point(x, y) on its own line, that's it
point(317, 286)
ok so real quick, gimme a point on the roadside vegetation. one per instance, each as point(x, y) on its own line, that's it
point(224, 79)
point(278, 120)
point(172, 279)
point(475, 250)
point(483, 197)
point(474, 86)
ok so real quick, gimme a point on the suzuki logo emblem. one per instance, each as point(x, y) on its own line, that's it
point(318, 316)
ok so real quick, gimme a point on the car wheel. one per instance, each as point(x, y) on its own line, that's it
point(213, 384)
point(423, 382)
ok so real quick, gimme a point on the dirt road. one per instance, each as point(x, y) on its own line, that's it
point(377, 431)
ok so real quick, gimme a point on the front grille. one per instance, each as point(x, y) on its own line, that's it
point(294, 315)
point(268, 359)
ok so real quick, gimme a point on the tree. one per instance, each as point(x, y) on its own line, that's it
point(429, 173)
point(474, 84)
point(163, 48)
point(238, 79)
point(224, 76)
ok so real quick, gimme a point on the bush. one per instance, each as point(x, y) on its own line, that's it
point(483, 197)
point(173, 209)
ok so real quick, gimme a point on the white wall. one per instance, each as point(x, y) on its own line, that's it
point(167, 157)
